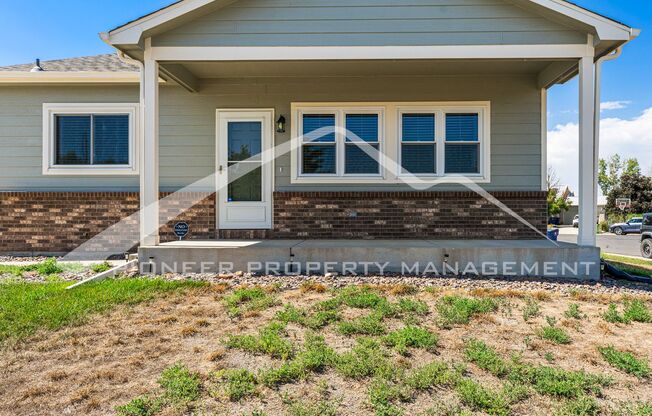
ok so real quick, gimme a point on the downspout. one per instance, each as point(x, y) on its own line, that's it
point(596, 115)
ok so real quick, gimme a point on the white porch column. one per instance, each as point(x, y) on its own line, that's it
point(149, 149)
point(587, 162)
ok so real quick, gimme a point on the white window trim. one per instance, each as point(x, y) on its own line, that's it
point(390, 141)
point(51, 110)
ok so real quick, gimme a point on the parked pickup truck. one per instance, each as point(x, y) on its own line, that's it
point(646, 236)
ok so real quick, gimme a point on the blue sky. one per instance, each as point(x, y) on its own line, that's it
point(67, 28)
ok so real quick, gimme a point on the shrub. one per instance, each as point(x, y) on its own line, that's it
point(411, 336)
point(456, 310)
point(625, 361)
point(179, 384)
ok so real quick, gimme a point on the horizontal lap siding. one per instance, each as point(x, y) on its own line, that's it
point(369, 22)
point(187, 142)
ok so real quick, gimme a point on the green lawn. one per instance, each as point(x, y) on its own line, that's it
point(631, 265)
point(28, 307)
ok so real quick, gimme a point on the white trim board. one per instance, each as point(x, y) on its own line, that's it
point(292, 53)
point(56, 77)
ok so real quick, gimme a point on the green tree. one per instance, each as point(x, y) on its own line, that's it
point(635, 186)
point(610, 170)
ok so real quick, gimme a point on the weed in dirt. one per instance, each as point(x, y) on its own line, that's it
point(140, 406)
point(632, 409)
point(325, 406)
point(313, 320)
point(557, 382)
point(456, 310)
point(445, 408)
point(553, 333)
point(485, 357)
point(411, 306)
point(549, 357)
point(249, 299)
point(531, 309)
point(179, 384)
point(398, 289)
point(364, 297)
point(371, 324)
point(238, 384)
point(625, 361)
point(269, 341)
point(435, 374)
point(364, 360)
point(480, 398)
point(413, 337)
point(573, 312)
point(101, 267)
point(315, 356)
point(581, 406)
point(634, 310)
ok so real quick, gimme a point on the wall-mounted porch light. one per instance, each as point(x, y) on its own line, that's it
point(280, 125)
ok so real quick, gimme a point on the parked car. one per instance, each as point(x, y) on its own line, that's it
point(576, 221)
point(646, 236)
point(623, 228)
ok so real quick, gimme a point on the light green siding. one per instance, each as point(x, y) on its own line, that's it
point(187, 140)
point(369, 23)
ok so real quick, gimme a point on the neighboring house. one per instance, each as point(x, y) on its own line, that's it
point(447, 92)
point(574, 209)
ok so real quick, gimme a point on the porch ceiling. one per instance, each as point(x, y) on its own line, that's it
point(208, 70)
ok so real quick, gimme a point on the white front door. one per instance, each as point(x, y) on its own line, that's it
point(244, 169)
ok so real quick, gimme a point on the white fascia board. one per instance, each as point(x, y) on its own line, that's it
point(606, 29)
point(52, 77)
point(131, 33)
point(291, 53)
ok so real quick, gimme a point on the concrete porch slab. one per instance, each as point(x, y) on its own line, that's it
point(533, 258)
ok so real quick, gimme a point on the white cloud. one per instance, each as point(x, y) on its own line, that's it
point(627, 137)
point(614, 105)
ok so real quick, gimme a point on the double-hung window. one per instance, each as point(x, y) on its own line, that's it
point(340, 142)
point(89, 139)
point(462, 143)
point(418, 143)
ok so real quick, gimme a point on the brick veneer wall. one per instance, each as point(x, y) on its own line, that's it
point(404, 215)
point(61, 221)
point(57, 222)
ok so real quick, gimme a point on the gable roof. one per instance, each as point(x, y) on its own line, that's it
point(96, 63)
point(134, 31)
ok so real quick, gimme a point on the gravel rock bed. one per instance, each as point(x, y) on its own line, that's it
point(563, 286)
point(22, 259)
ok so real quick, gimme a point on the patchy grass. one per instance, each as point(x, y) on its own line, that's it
point(269, 341)
point(531, 309)
point(248, 299)
point(45, 268)
point(238, 384)
point(179, 384)
point(553, 333)
point(634, 310)
point(293, 360)
point(625, 361)
point(101, 267)
point(28, 307)
point(457, 310)
point(371, 324)
point(411, 337)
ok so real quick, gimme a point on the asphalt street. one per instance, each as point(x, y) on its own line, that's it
point(628, 245)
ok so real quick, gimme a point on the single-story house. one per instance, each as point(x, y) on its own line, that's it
point(295, 120)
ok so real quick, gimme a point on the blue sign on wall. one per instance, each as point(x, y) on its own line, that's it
point(181, 229)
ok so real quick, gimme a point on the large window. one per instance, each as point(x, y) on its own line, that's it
point(89, 139)
point(391, 142)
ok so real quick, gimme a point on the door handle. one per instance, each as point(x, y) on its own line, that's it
point(221, 169)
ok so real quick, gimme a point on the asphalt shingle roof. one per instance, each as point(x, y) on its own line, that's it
point(97, 63)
